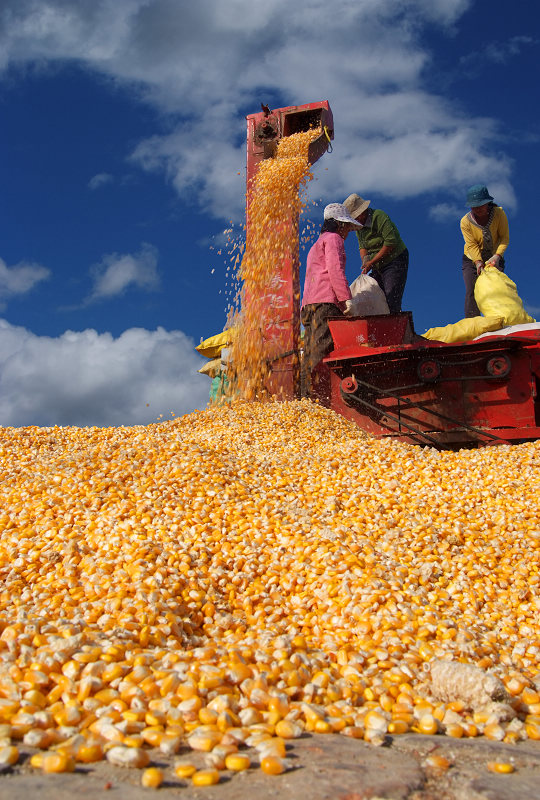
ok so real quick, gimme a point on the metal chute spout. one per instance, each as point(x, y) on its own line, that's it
point(317, 117)
point(268, 126)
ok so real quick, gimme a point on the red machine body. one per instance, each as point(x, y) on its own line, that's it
point(392, 382)
point(264, 130)
point(384, 377)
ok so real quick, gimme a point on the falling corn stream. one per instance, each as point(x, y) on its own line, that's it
point(275, 199)
point(207, 589)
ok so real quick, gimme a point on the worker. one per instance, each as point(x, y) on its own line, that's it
point(216, 369)
point(326, 291)
point(382, 249)
point(485, 231)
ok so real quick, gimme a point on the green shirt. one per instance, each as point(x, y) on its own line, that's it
point(382, 231)
point(219, 386)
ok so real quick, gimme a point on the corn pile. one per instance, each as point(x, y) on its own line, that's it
point(220, 583)
point(275, 200)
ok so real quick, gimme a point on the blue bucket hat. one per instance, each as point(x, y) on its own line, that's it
point(478, 195)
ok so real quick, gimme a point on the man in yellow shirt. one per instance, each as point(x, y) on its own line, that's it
point(485, 231)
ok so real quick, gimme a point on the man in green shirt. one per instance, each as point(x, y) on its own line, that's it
point(382, 249)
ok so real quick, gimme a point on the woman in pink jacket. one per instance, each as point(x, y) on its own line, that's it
point(326, 291)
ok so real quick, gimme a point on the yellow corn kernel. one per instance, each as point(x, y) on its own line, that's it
point(481, 717)
point(397, 726)
point(494, 731)
point(427, 724)
point(532, 730)
point(153, 735)
point(185, 770)
point(36, 760)
point(503, 767)
point(511, 737)
point(374, 721)
point(9, 755)
point(515, 685)
point(530, 696)
point(273, 765)
point(204, 740)
point(205, 777)
point(272, 745)
point(455, 730)
point(437, 763)
point(208, 716)
point(353, 731)
point(89, 753)
point(57, 762)
point(286, 729)
point(136, 740)
point(152, 778)
point(470, 729)
point(237, 762)
point(322, 726)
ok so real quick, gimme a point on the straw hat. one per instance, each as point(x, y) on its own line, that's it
point(356, 205)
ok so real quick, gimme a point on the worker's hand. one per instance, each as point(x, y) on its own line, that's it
point(479, 267)
point(493, 261)
point(366, 267)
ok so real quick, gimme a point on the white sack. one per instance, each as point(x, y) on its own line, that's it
point(367, 298)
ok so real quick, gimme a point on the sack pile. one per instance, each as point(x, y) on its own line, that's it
point(501, 306)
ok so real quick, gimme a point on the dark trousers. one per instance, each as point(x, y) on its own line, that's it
point(468, 268)
point(318, 342)
point(392, 279)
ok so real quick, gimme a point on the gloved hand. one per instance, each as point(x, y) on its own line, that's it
point(367, 266)
point(479, 267)
point(493, 261)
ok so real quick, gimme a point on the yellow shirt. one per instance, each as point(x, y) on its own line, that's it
point(474, 239)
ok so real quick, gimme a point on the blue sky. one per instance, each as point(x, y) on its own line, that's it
point(123, 162)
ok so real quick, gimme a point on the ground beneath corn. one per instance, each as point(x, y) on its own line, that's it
point(359, 616)
point(327, 767)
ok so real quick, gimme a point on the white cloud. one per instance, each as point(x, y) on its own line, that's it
point(90, 379)
point(444, 211)
point(116, 273)
point(99, 180)
point(203, 62)
point(19, 279)
point(496, 53)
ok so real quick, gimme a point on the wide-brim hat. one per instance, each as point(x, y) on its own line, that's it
point(356, 205)
point(338, 212)
point(478, 195)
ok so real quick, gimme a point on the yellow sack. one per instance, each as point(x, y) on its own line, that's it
point(465, 329)
point(496, 296)
point(211, 368)
point(212, 347)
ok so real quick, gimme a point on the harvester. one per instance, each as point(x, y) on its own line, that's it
point(384, 377)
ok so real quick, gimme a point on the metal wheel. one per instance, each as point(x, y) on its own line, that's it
point(499, 366)
point(349, 385)
point(428, 370)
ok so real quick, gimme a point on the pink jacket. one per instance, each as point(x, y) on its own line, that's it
point(325, 272)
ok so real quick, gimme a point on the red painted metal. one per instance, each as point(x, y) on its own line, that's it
point(384, 377)
point(392, 382)
point(264, 130)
